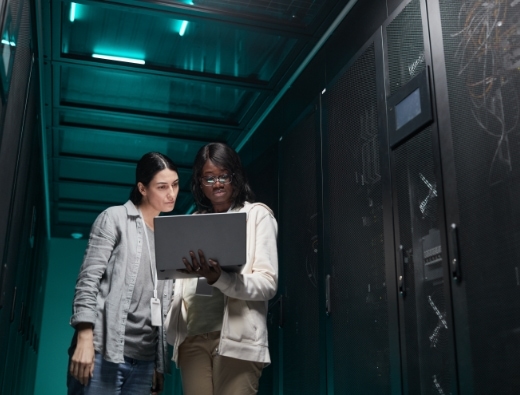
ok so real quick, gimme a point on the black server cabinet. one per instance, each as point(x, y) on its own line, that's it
point(426, 325)
point(418, 212)
point(477, 45)
point(298, 249)
point(354, 239)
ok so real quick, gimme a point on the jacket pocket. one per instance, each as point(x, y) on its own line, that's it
point(241, 325)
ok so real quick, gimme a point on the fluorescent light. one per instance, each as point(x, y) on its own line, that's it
point(118, 59)
point(7, 42)
point(72, 14)
point(183, 28)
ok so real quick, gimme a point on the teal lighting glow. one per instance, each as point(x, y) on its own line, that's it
point(118, 59)
point(76, 235)
point(183, 28)
point(343, 13)
point(72, 15)
point(7, 42)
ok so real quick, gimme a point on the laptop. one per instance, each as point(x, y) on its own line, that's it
point(221, 236)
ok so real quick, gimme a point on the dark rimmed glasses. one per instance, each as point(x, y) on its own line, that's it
point(212, 180)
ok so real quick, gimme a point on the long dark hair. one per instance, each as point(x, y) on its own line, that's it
point(148, 166)
point(225, 157)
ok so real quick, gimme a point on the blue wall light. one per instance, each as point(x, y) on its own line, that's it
point(180, 26)
point(118, 59)
point(183, 28)
point(72, 15)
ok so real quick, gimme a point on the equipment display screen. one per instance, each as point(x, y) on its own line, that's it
point(408, 109)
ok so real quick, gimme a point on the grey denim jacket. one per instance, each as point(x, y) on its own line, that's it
point(106, 282)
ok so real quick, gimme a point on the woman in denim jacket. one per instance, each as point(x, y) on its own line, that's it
point(117, 346)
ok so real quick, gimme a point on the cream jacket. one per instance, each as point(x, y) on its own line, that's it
point(246, 294)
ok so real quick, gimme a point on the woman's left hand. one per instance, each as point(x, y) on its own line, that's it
point(210, 269)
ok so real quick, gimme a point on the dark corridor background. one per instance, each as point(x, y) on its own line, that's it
point(384, 135)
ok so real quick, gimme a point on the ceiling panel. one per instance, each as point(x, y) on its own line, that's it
point(296, 12)
point(122, 146)
point(199, 71)
point(94, 171)
point(145, 94)
point(120, 121)
point(205, 47)
point(91, 192)
point(105, 172)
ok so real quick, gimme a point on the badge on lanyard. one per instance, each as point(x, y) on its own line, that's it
point(155, 308)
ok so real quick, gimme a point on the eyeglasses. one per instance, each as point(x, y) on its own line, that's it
point(212, 180)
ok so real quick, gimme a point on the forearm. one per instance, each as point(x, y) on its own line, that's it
point(85, 334)
point(261, 282)
point(82, 361)
point(256, 286)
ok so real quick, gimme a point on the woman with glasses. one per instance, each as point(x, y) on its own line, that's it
point(119, 345)
point(220, 341)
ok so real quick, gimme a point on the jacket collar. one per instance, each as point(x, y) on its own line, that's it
point(131, 209)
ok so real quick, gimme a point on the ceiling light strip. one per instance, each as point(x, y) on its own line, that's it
point(118, 59)
point(183, 28)
point(297, 73)
point(72, 15)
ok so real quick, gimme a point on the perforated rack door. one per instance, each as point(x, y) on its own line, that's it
point(298, 259)
point(404, 36)
point(353, 198)
point(481, 46)
point(425, 328)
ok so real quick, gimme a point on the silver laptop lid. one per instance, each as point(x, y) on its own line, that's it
point(221, 237)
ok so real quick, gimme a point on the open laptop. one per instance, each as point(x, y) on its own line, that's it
point(221, 237)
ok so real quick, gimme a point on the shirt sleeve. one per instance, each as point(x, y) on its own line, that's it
point(262, 282)
point(100, 246)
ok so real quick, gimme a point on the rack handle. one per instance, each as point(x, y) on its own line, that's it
point(455, 262)
point(402, 283)
point(281, 317)
point(327, 295)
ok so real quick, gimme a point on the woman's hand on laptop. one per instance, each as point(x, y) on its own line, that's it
point(209, 269)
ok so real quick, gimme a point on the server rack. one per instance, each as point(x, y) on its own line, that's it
point(427, 238)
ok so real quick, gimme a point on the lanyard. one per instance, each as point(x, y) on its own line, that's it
point(152, 268)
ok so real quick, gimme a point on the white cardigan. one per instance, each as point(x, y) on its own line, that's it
point(244, 328)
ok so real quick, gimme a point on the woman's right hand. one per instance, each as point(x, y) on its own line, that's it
point(210, 269)
point(82, 362)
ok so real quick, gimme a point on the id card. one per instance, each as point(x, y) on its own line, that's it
point(155, 308)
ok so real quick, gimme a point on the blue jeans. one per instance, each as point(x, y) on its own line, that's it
point(133, 377)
